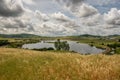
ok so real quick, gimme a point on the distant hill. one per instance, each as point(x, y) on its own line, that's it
point(34, 36)
point(88, 35)
point(116, 35)
point(18, 35)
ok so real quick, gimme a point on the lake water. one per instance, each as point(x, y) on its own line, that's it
point(74, 46)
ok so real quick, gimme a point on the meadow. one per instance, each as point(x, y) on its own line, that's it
point(20, 64)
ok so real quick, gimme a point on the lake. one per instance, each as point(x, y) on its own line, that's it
point(74, 46)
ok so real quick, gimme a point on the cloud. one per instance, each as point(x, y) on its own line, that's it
point(29, 2)
point(17, 24)
point(86, 19)
point(86, 11)
point(112, 17)
point(93, 20)
point(41, 16)
point(70, 4)
point(11, 8)
point(60, 17)
point(57, 24)
point(78, 7)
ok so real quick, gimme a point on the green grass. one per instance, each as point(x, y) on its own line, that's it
point(19, 64)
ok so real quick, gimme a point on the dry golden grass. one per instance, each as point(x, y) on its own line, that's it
point(19, 64)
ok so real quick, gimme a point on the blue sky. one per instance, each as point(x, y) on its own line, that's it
point(60, 17)
point(107, 7)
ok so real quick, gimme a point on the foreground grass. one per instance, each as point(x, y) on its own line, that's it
point(18, 64)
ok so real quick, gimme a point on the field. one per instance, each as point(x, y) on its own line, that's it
point(19, 64)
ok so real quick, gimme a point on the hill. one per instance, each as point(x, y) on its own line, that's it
point(19, 64)
point(18, 35)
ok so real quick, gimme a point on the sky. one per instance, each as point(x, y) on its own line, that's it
point(60, 17)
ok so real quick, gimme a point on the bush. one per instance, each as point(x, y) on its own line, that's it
point(102, 44)
point(4, 42)
point(91, 45)
point(44, 49)
point(118, 40)
point(15, 45)
point(114, 45)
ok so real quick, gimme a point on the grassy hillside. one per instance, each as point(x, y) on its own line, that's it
point(18, 64)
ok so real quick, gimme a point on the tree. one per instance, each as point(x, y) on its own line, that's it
point(62, 45)
point(57, 44)
point(65, 46)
